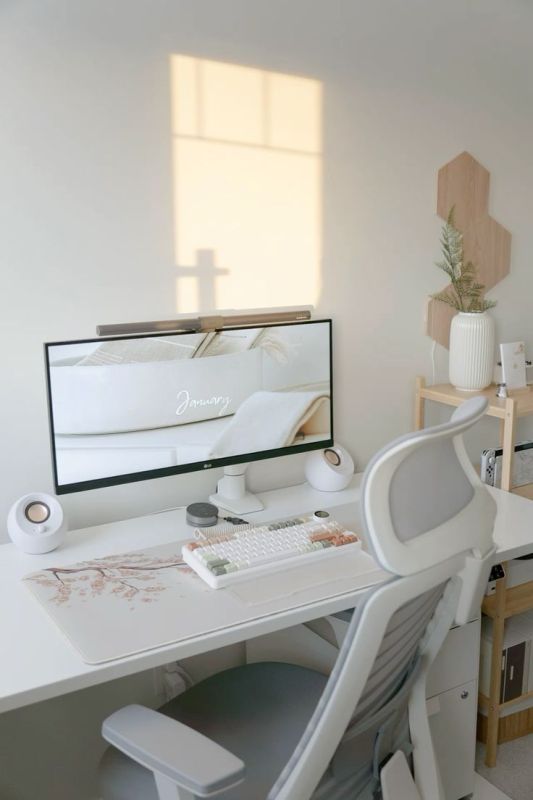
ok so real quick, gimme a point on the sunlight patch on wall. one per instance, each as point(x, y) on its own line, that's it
point(247, 186)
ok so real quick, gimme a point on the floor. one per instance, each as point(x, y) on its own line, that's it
point(513, 773)
point(486, 791)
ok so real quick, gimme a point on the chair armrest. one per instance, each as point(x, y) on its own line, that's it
point(174, 750)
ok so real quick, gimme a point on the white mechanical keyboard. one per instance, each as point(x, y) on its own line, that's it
point(264, 549)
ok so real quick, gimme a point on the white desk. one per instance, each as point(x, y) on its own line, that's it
point(37, 662)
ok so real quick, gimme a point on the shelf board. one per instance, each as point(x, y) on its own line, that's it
point(516, 700)
point(448, 394)
point(524, 491)
point(484, 701)
point(517, 600)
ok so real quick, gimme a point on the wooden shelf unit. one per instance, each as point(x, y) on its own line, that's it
point(505, 603)
point(517, 600)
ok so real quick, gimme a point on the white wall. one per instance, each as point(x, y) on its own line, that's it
point(86, 196)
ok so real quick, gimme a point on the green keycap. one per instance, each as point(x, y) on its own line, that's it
point(216, 561)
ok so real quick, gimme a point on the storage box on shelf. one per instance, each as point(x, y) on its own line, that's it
point(494, 728)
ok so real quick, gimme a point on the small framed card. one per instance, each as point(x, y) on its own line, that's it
point(513, 356)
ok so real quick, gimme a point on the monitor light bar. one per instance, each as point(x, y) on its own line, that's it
point(201, 324)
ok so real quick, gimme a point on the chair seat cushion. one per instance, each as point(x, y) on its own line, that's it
point(258, 712)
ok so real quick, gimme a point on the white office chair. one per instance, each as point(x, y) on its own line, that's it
point(273, 731)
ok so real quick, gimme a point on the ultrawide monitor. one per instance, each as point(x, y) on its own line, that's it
point(132, 408)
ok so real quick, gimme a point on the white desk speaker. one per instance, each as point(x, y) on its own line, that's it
point(36, 523)
point(329, 470)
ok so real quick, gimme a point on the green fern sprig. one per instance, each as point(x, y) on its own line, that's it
point(465, 293)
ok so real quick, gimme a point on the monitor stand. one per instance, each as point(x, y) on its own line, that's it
point(231, 494)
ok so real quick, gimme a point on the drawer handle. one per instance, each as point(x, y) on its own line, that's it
point(464, 694)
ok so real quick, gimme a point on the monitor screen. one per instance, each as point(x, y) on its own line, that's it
point(132, 408)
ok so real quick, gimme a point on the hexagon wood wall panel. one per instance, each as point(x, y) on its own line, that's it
point(464, 183)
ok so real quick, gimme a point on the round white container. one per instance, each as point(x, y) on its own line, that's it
point(471, 351)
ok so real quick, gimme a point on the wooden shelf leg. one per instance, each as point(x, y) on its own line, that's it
point(508, 444)
point(419, 404)
point(498, 625)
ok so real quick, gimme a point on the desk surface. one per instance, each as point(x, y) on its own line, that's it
point(37, 662)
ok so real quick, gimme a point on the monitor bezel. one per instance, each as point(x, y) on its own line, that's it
point(197, 466)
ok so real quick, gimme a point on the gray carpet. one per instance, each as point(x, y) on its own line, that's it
point(513, 773)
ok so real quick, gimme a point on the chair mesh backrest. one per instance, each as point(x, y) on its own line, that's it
point(397, 652)
point(442, 489)
point(382, 702)
point(396, 658)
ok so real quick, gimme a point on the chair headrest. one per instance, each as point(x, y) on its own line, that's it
point(422, 500)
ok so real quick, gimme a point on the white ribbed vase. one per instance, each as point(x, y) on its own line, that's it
point(471, 351)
